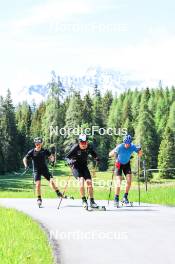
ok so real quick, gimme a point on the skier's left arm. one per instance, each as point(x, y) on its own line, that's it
point(51, 157)
point(93, 153)
point(138, 150)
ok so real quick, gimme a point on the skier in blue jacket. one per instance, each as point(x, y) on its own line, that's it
point(123, 153)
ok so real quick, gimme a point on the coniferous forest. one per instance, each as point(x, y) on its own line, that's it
point(148, 115)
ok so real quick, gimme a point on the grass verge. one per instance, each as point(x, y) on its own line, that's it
point(17, 186)
point(22, 240)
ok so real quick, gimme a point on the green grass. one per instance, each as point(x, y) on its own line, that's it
point(22, 240)
point(17, 186)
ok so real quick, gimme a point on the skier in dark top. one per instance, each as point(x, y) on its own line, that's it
point(38, 156)
point(77, 159)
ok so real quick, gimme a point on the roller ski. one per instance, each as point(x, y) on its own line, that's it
point(126, 202)
point(116, 203)
point(95, 207)
point(39, 202)
point(61, 195)
point(68, 197)
point(98, 208)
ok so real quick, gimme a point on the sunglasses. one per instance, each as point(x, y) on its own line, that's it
point(83, 142)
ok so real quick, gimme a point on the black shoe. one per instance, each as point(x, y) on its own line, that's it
point(39, 202)
point(84, 203)
point(93, 204)
point(116, 200)
point(59, 194)
point(125, 200)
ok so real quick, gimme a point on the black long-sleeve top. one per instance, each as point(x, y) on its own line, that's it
point(80, 156)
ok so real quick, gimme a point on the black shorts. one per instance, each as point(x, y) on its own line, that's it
point(125, 168)
point(79, 172)
point(38, 173)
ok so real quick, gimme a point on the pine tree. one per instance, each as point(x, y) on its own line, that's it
point(36, 124)
point(97, 119)
point(56, 89)
point(135, 107)
point(73, 119)
point(127, 119)
point(145, 133)
point(152, 103)
point(115, 121)
point(23, 116)
point(2, 137)
point(106, 105)
point(53, 118)
point(9, 133)
point(171, 119)
point(172, 94)
point(161, 115)
point(87, 110)
point(52, 122)
point(166, 158)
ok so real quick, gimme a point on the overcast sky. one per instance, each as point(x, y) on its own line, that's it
point(37, 36)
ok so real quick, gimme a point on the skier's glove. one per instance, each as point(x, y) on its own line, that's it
point(97, 159)
point(70, 162)
point(26, 168)
point(139, 148)
point(52, 163)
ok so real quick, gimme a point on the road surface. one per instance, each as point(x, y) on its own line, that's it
point(138, 235)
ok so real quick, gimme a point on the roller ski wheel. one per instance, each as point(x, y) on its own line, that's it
point(127, 203)
point(98, 208)
point(39, 202)
point(131, 204)
point(116, 204)
point(68, 197)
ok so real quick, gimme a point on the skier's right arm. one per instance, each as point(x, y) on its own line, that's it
point(27, 157)
point(113, 152)
point(71, 155)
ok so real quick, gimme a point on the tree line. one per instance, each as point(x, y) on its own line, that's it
point(148, 115)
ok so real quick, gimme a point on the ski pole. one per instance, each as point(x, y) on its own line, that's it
point(110, 190)
point(23, 173)
point(138, 171)
point(64, 191)
point(94, 175)
point(95, 169)
point(145, 176)
point(33, 178)
point(53, 150)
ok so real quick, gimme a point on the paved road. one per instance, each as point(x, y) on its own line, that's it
point(138, 235)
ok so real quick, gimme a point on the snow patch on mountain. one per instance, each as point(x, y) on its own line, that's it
point(106, 79)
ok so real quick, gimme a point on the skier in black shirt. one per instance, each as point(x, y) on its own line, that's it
point(38, 156)
point(77, 159)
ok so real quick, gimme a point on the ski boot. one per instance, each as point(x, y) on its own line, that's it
point(39, 202)
point(84, 203)
point(126, 202)
point(116, 202)
point(59, 194)
point(95, 207)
